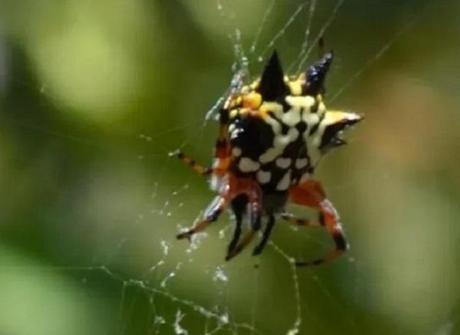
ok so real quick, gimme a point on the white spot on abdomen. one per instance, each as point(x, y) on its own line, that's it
point(303, 101)
point(301, 163)
point(282, 141)
point(263, 177)
point(248, 165)
point(311, 119)
point(276, 127)
point(284, 183)
point(279, 144)
point(270, 155)
point(291, 117)
point(236, 152)
point(283, 162)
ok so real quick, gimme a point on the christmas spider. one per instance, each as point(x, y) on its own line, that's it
point(272, 135)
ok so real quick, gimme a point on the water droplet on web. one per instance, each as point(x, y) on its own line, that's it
point(165, 247)
point(293, 331)
point(171, 275)
point(178, 329)
point(219, 275)
point(157, 265)
point(196, 241)
point(224, 318)
point(295, 328)
point(167, 278)
point(222, 233)
point(237, 34)
point(145, 137)
point(159, 320)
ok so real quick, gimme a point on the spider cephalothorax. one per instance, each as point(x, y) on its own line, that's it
point(272, 135)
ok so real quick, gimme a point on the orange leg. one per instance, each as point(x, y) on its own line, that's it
point(222, 155)
point(211, 214)
point(200, 169)
point(232, 188)
point(312, 194)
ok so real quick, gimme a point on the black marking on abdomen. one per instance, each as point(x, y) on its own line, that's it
point(301, 127)
point(253, 136)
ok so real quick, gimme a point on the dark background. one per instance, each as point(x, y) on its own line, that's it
point(94, 94)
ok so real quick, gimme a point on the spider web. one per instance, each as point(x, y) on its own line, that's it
point(163, 286)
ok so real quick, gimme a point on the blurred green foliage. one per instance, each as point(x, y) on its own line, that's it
point(94, 94)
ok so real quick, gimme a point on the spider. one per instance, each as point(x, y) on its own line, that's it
point(272, 134)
